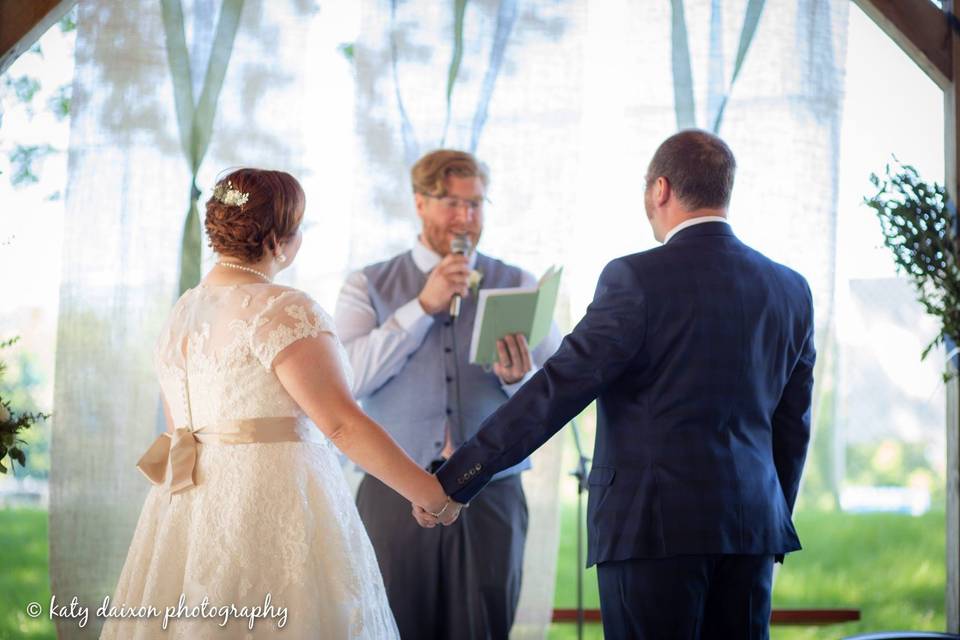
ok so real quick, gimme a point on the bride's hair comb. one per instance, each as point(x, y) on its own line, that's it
point(225, 193)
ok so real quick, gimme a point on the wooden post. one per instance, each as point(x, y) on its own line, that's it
point(925, 34)
point(951, 111)
point(919, 28)
point(953, 501)
point(22, 24)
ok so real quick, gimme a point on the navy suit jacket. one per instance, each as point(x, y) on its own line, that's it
point(700, 354)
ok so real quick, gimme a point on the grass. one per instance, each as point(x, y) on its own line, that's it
point(23, 574)
point(889, 566)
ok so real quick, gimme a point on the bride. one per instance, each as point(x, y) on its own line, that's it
point(250, 528)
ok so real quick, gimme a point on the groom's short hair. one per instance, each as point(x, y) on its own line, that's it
point(699, 167)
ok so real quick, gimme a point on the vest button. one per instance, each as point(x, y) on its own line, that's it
point(447, 349)
point(449, 411)
point(447, 323)
point(449, 379)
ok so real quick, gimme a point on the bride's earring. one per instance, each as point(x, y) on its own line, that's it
point(281, 258)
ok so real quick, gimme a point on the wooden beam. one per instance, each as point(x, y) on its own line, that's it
point(951, 131)
point(22, 22)
point(920, 29)
point(806, 617)
point(953, 501)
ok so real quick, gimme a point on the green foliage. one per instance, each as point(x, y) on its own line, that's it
point(60, 102)
point(18, 387)
point(68, 22)
point(920, 230)
point(12, 424)
point(24, 87)
point(23, 159)
point(895, 463)
point(348, 50)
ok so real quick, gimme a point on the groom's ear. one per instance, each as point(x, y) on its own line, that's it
point(661, 191)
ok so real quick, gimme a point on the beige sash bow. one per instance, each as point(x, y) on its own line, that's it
point(179, 449)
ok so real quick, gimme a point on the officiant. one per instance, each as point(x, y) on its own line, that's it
point(409, 349)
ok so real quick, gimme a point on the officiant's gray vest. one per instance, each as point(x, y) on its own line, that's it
point(416, 403)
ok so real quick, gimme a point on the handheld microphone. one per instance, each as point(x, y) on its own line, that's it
point(461, 246)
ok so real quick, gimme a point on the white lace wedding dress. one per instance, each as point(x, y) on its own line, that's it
point(256, 518)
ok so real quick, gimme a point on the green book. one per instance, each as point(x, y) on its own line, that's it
point(526, 310)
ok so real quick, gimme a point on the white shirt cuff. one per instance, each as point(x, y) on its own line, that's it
point(511, 389)
point(413, 319)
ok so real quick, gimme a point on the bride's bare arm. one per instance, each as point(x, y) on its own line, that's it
point(309, 370)
point(166, 414)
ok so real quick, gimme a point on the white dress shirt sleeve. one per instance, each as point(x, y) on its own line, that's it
point(542, 351)
point(377, 353)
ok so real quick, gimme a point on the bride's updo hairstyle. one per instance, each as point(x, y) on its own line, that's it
point(252, 211)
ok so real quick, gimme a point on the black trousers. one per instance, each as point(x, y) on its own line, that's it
point(461, 581)
point(687, 597)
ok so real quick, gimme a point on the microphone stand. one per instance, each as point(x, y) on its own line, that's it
point(580, 473)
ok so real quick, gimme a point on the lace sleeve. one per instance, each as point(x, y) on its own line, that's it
point(286, 318)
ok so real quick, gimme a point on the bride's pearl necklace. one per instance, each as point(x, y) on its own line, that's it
point(240, 267)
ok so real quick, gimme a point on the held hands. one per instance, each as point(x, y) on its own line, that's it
point(445, 516)
point(449, 277)
point(513, 358)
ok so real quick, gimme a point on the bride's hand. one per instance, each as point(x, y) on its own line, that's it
point(446, 515)
point(424, 519)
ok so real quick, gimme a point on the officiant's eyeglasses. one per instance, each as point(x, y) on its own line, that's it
point(453, 203)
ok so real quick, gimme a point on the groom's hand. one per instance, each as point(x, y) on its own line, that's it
point(513, 358)
point(428, 520)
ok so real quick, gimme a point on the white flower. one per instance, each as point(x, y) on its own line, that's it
point(225, 193)
point(474, 280)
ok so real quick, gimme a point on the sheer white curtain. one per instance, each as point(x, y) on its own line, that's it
point(515, 101)
point(126, 202)
point(583, 94)
point(566, 101)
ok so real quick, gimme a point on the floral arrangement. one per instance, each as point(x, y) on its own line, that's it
point(11, 424)
point(920, 228)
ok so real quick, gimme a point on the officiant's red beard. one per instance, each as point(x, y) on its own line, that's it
point(441, 225)
point(439, 237)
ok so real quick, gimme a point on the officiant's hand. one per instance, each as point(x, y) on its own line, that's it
point(447, 278)
point(513, 358)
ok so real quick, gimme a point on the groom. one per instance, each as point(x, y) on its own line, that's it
point(700, 354)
